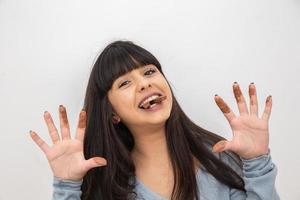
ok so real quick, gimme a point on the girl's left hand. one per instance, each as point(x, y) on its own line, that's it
point(250, 133)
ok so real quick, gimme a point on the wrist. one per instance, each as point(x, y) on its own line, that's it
point(249, 157)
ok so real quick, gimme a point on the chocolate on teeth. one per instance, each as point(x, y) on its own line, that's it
point(159, 99)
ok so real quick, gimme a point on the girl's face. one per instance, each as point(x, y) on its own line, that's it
point(130, 89)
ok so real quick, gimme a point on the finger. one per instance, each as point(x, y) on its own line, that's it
point(224, 108)
point(268, 108)
point(253, 100)
point(220, 146)
point(51, 127)
point(64, 124)
point(81, 126)
point(240, 99)
point(94, 162)
point(43, 145)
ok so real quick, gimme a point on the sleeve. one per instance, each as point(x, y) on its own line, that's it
point(259, 175)
point(66, 189)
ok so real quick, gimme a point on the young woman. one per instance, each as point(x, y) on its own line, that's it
point(133, 140)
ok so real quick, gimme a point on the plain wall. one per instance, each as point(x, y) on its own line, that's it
point(47, 49)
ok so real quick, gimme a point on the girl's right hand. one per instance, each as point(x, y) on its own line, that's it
point(66, 156)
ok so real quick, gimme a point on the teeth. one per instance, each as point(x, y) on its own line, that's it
point(148, 100)
point(150, 104)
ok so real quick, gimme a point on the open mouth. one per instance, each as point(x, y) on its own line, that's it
point(153, 102)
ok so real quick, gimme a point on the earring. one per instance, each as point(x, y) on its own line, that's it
point(116, 119)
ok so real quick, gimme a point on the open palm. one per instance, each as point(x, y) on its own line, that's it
point(66, 156)
point(250, 133)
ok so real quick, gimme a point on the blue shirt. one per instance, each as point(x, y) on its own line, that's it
point(258, 173)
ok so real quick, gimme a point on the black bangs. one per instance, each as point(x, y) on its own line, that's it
point(117, 59)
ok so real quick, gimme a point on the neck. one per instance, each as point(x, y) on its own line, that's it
point(150, 149)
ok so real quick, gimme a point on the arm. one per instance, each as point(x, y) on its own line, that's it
point(259, 177)
point(66, 189)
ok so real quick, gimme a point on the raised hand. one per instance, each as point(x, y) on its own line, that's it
point(250, 133)
point(66, 156)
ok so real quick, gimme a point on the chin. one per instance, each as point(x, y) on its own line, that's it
point(160, 118)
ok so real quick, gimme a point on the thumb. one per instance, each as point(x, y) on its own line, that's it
point(221, 146)
point(95, 162)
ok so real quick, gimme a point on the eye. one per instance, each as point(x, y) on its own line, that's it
point(123, 84)
point(151, 70)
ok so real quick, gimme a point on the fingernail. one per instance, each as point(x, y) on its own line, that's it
point(252, 83)
point(99, 161)
point(31, 133)
point(219, 147)
point(61, 107)
point(216, 95)
point(222, 145)
point(235, 82)
point(269, 98)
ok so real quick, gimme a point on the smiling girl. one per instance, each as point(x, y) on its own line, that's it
point(133, 140)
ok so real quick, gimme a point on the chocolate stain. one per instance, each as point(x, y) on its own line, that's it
point(252, 94)
point(82, 119)
point(268, 99)
point(237, 92)
point(64, 116)
point(157, 100)
point(222, 105)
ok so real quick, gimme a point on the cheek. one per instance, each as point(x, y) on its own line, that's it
point(167, 88)
point(168, 92)
point(124, 104)
point(118, 101)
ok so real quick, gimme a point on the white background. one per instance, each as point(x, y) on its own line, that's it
point(47, 49)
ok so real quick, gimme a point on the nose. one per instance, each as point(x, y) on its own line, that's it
point(144, 85)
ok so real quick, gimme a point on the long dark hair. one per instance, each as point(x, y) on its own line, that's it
point(114, 142)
